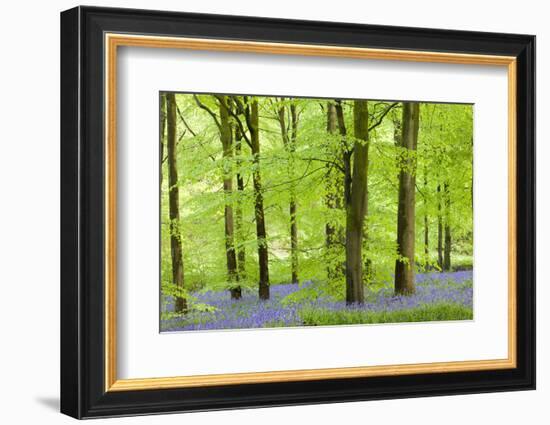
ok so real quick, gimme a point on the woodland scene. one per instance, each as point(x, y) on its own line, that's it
point(285, 211)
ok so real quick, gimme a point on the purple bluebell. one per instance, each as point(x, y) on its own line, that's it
point(250, 312)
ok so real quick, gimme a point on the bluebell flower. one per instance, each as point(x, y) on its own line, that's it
point(250, 312)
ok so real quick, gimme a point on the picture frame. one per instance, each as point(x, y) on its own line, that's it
point(90, 39)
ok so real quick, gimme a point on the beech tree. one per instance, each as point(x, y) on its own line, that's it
point(405, 262)
point(249, 108)
point(356, 203)
point(355, 162)
point(289, 134)
point(240, 236)
point(175, 234)
point(447, 248)
point(226, 137)
point(223, 123)
point(252, 120)
point(162, 129)
point(333, 194)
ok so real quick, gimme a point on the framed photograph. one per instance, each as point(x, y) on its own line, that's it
point(261, 212)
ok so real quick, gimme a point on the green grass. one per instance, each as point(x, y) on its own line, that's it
point(427, 313)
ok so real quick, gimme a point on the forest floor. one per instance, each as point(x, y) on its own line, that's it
point(438, 297)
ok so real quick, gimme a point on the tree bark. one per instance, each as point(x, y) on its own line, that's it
point(426, 222)
point(263, 260)
point(241, 252)
point(292, 204)
point(426, 238)
point(447, 248)
point(439, 230)
point(447, 252)
point(226, 137)
point(162, 131)
point(333, 198)
point(397, 132)
point(405, 263)
point(289, 143)
point(355, 196)
point(368, 272)
point(175, 235)
point(346, 186)
point(356, 204)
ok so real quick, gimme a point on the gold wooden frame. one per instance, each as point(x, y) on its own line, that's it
point(113, 41)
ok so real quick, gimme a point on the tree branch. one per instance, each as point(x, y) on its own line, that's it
point(326, 161)
point(207, 109)
point(305, 174)
point(193, 133)
point(381, 117)
point(246, 111)
point(185, 122)
point(236, 117)
point(181, 136)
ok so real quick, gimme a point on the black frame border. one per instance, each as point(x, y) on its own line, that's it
point(82, 212)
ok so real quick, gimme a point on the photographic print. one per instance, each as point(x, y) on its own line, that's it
point(284, 211)
point(331, 212)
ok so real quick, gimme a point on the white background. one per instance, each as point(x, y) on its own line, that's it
point(141, 345)
point(29, 225)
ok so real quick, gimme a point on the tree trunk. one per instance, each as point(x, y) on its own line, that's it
point(397, 133)
point(368, 272)
point(447, 249)
point(293, 242)
point(292, 205)
point(241, 253)
point(356, 204)
point(447, 252)
point(355, 197)
point(333, 199)
point(253, 123)
point(426, 223)
point(289, 142)
point(426, 239)
point(405, 263)
point(226, 137)
point(175, 236)
point(162, 131)
point(346, 185)
point(439, 230)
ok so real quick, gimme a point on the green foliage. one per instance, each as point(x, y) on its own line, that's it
point(426, 313)
point(170, 291)
point(312, 171)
